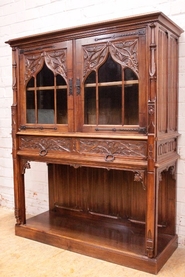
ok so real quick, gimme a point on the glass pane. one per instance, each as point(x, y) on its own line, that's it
point(110, 71)
point(90, 106)
point(30, 107)
point(60, 80)
point(45, 77)
point(45, 103)
point(30, 83)
point(91, 78)
point(110, 103)
point(62, 106)
point(129, 74)
point(131, 116)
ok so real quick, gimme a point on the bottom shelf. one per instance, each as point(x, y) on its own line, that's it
point(108, 239)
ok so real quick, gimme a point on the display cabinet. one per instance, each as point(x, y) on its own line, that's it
point(98, 105)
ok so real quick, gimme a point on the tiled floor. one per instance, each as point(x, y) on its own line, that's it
point(21, 257)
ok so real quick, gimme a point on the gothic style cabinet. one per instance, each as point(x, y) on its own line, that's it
point(98, 104)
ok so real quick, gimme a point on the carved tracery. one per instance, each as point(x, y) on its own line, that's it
point(123, 52)
point(55, 61)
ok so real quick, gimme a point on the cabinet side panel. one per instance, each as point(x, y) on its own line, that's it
point(167, 204)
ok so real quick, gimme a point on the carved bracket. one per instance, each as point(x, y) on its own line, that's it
point(139, 176)
point(171, 169)
point(24, 165)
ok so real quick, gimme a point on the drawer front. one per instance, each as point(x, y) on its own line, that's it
point(106, 148)
point(111, 149)
point(44, 145)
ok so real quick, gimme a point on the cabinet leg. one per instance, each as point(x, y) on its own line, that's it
point(19, 192)
point(151, 218)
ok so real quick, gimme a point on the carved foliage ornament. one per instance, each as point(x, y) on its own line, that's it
point(45, 144)
point(113, 147)
point(123, 52)
point(55, 61)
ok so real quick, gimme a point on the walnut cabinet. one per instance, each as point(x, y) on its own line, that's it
point(98, 104)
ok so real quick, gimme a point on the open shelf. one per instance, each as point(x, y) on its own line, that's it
point(110, 239)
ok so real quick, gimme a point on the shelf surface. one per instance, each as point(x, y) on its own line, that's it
point(109, 239)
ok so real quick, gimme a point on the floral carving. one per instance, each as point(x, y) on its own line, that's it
point(55, 61)
point(124, 52)
point(45, 144)
point(113, 147)
point(94, 56)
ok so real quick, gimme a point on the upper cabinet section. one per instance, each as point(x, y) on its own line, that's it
point(116, 77)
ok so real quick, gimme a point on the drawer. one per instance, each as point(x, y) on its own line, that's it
point(107, 148)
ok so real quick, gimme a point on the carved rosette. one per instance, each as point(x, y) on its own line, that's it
point(123, 52)
point(55, 61)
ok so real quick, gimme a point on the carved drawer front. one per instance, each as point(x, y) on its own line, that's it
point(106, 148)
point(44, 145)
point(111, 149)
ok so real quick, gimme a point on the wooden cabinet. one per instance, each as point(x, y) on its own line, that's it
point(98, 104)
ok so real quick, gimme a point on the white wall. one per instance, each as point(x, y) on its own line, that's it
point(25, 17)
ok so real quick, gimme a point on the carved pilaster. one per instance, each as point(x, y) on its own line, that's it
point(153, 66)
point(151, 116)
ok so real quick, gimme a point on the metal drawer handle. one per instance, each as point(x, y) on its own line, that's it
point(43, 152)
point(109, 158)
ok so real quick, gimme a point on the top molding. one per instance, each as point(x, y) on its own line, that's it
point(99, 27)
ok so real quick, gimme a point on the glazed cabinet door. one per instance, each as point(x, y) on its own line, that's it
point(111, 83)
point(46, 87)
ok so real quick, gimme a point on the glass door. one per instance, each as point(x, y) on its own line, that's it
point(47, 91)
point(113, 94)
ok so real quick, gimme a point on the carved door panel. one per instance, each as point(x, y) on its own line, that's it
point(111, 83)
point(46, 93)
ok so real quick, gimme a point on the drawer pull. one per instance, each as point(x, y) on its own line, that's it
point(109, 158)
point(43, 152)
